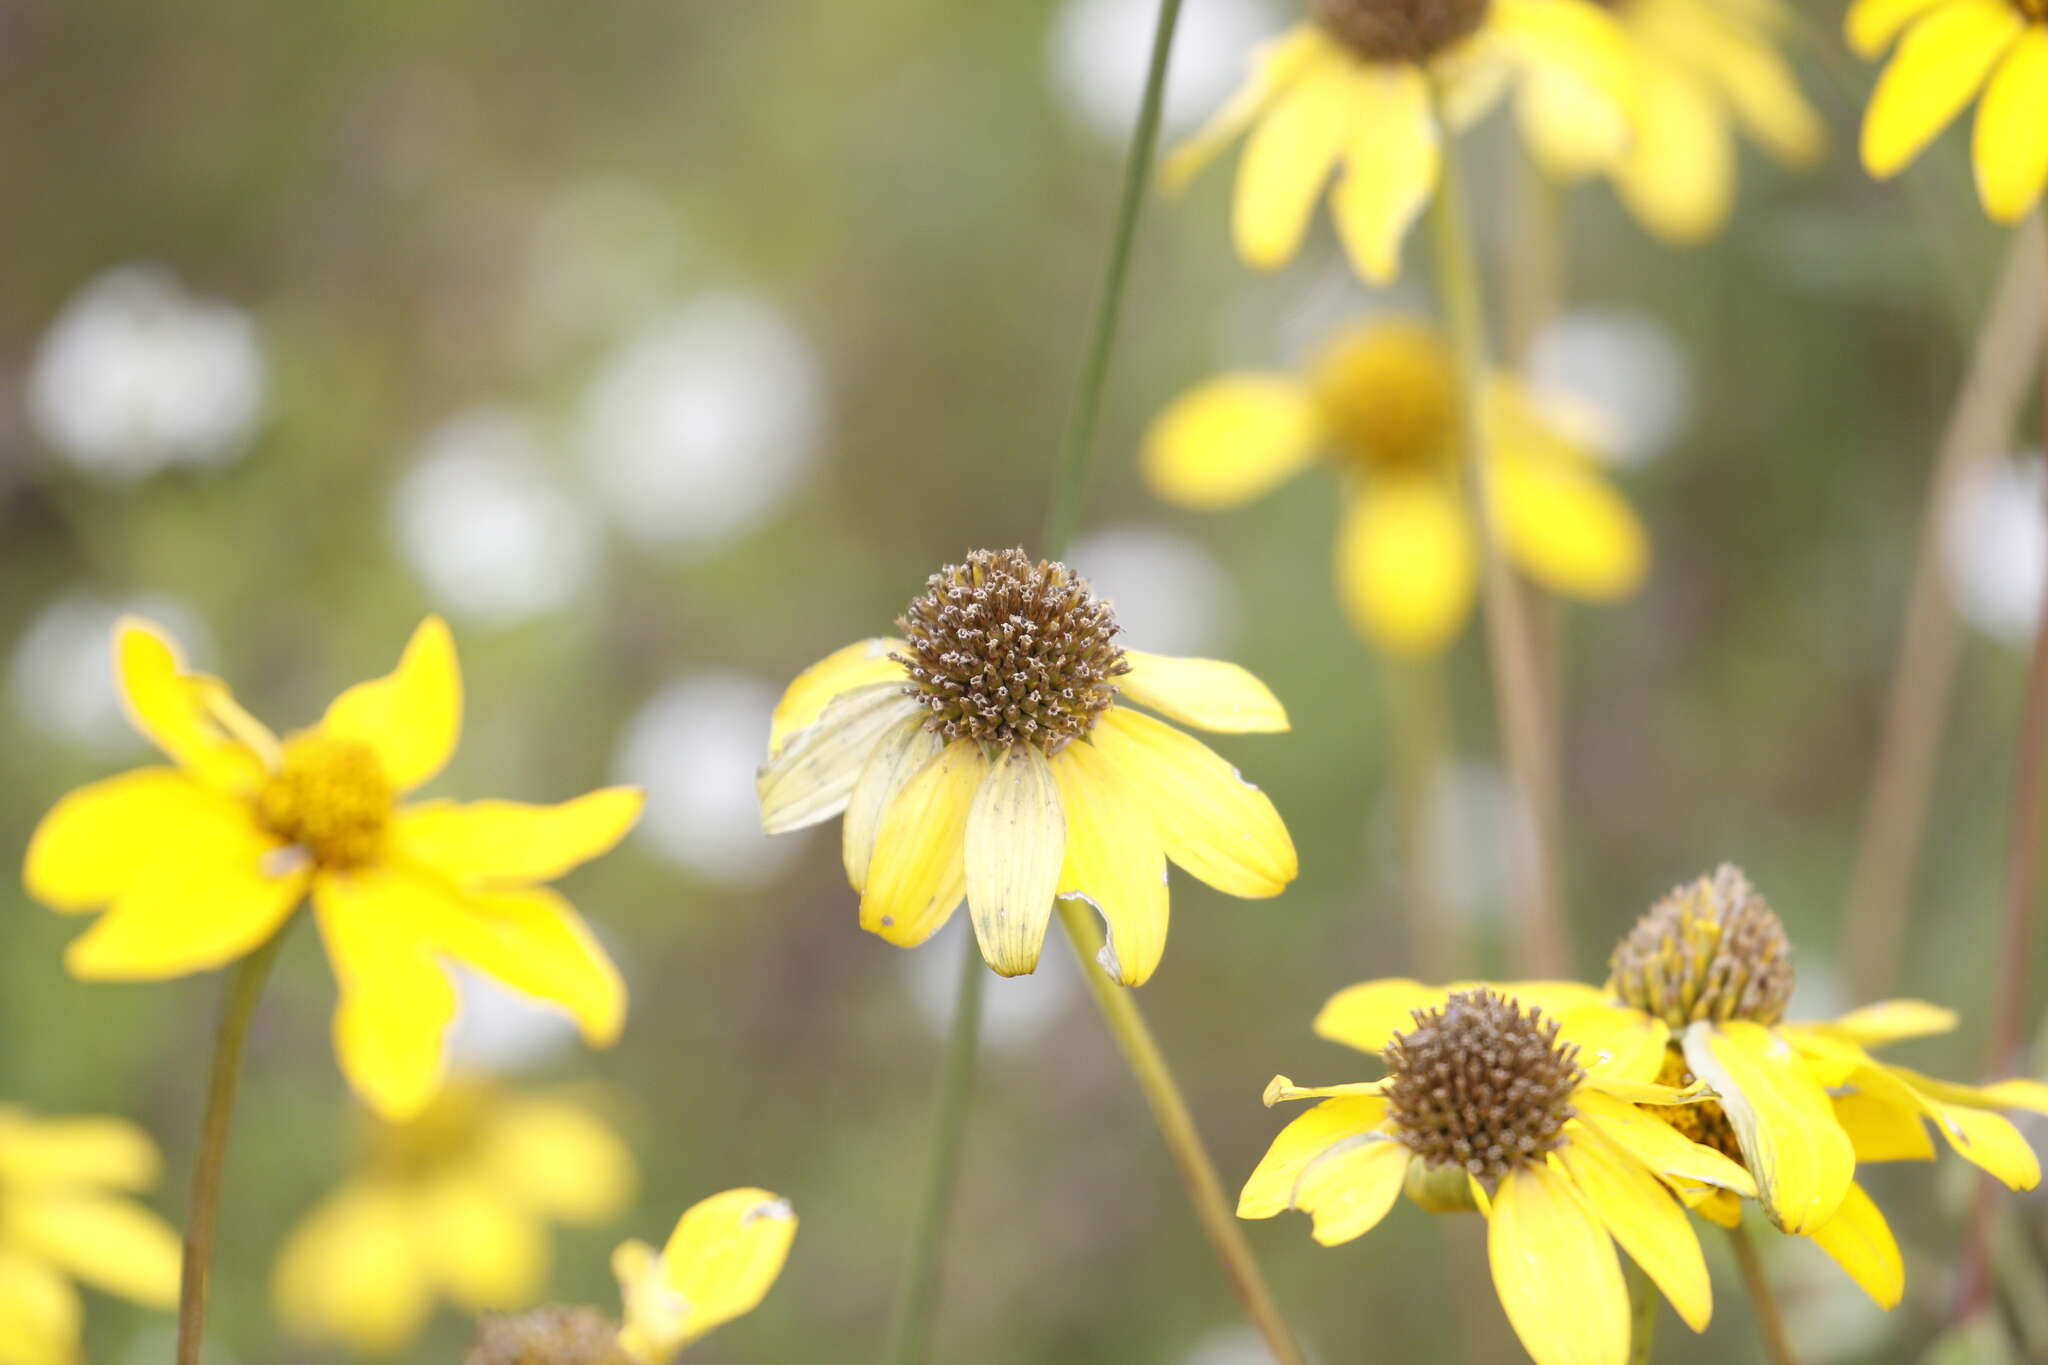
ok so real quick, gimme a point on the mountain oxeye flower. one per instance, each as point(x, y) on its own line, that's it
point(1380, 401)
point(1800, 1105)
point(65, 1212)
point(1526, 1108)
point(993, 752)
point(720, 1262)
point(1952, 49)
point(1349, 91)
point(454, 1203)
point(199, 863)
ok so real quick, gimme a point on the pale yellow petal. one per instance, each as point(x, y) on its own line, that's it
point(529, 939)
point(75, 1153)
point(1750, 73)
point(813, 776)
point(109, 1243)
point(1287, 160)
point(1569, 36)
point(1802, 1160)
point(1392, 160)
point(102, 838)
point(1659, 1146)
point(412, 716)
point(352, 1271)
point(901, 754)
point(1275, 65)
point(1282, 1089)
point(1555, 1270)
point(1615, 1043)
point(1407, 563)
point(2011, 141)
point(2020, 1092)
point(1114, 861)
point(1016, 845)
point(1208, 694)
point(1939, 65)
point(1881, 1129)
point(1861, 1242)
point(559, 1158)
point(860, 664)
point(1643, 1217)
point(510, 841)
point(175, 709)
point(1890, 1021)
point(489, 1254)
point(1228, 440)
point(1350, 1187)
point(1870, 25)
point(919, 872)
point(1573, 129)
point(1270, 1189)
point(40, 1315)
point(1368, 1015)
point(1678, 178)
point(396, 1002)
point(1567, 528)
point(1988, 1141)
point(721, 1261)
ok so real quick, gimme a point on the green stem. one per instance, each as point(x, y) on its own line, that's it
point(1769, 1321)
point(1170, 1110)
point(245, 987)
point(1418, 723)
point(1642, 1312)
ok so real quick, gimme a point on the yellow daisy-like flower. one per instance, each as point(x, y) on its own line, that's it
point(457, 1203)
point(1352, 88)
point(1952, 49)
point(1380, 399)
point(992, 752)
point(1520, 1100)
point(65, 1212)
point(720, 1262)
point(1800, 1105)
point(199, 863)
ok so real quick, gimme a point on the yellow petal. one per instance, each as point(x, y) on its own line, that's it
point(1114, 861)
point(1555, 1271)
point(1748, 71)
point(530, 939)
point(901, 754)
point(2021, 1092)
point(1579, 39)
point(1641, 1215)
point(1802, 1160)
point(1281, 1090)
point(1889, 1021)
point(1351, 1186)
point(1568, 529)
point(98, 841)
point(75, 1153)
point(1276, 64)
point(489, 1254)
point(1572, 128)
point(1368, 1015)
point(1936, 70)
point(1230, 439)
point(1862, 1244)
point(1406, 563)
point(1392, 160)
point(1678, 178)
point(1616, 1043)
point(1659, 1146)
point(1271, 1186)
point(860, 664)
point(511, 841)
point(721, 1261)
point(396, 1003)
point(812, 778)
point(559, 1159)
point(352, 1271)
point(172, 707)
point(1870, 25)
point(2011, 147)
point(1988, 1141)
point(1016, 844)
point(1881, 1129)
point(1210, 820)
point(109, 1243)
point(1286, 161)
point(1208, 694)
point(411, 717)
point(40, 1315)
point(919, 871)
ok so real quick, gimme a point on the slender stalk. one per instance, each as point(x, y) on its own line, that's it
point(1541, 936)
point(1642, 1313)
point(1535, 261)
point(245, 987)
point(1769, 1321)
point(1418, 721)
point(1170, 1110)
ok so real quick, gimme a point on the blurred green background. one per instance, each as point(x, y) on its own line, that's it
point(666, 347)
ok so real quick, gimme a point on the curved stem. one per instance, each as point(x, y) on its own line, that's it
point(1642, 1312)
point(1205, 1188)
point(1770, 1322)
point(245, 987)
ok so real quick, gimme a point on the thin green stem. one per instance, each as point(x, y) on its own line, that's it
point(245, 987)
point(1642, 1313)
point(1170, 1110)
point(1418, 722)
point(1769, 1321)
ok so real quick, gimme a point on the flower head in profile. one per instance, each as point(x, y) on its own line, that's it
point(67, 1212)
point(1521, 1101)
point(1380, 401)
point(456, 1203)
point(201, 861)
point(1349, 92)
point(994, 753)
point(1949, 52)
point(720, 1262)
point(1801, 1105)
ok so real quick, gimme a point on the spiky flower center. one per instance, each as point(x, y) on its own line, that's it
point(1705, 1122)
point(1712, 949)
point(1004, 650)
point(549, 1336)
point(329, 797)
point(1389, 397)
point(1481, 1083)
point(1399, 30)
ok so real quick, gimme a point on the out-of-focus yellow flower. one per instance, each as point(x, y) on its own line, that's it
point(1350, 92)
point(1951, 50)
point(455, 1203)
point(1800, 1105)
point(1381, 400)
point(199, 863)
point(718, 1265)
point(993, 754)
point(64, 1213)
point(1520, 1100)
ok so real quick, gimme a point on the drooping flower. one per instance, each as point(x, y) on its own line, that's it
point(1380, 400)
point(1522, 1101)
point(455, 1203)
point(1951, 50)
point(1802, 1105)
point(994, 753)
point(720, 1262)
point(66, 1213)
point(199, 863)
point(1349, 91)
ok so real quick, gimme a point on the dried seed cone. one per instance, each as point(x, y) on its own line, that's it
point(550, 1336)
point(1712, 949)
point(1399, 30)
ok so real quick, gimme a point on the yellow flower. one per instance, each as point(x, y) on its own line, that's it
point(1951, 50)
point(1800, 1105)
point(455, 1202)
point(1352, 87)
point(64, 1213)
point(199, 863)
point(1545, 1138)
point(993, 754)
point(1380, 399)
point(719, 1264)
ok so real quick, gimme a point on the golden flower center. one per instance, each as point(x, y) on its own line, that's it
point(1712, 949)
point(1706, 1122)
point(329, 797)
point(549, 1336)
point(1398, 30)
point(1389, 397)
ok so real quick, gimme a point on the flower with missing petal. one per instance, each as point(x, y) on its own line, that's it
point(994, 753)
point(199, 863)
point(66, 1212)
point(720, 1262)
point(1380, 400)
point(1520, 1100)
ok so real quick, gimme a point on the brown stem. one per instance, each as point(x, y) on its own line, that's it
point(1418, 721)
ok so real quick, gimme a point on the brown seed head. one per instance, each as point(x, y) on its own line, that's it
point(1712, 949)
point(1398, 30)
point(549, 1336)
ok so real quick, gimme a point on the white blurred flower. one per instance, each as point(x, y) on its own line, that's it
point(1625, 366)
point(694, 748)
point(1098, 52)
point(1996, 543)
point(1229, 1346)
point(1014, 1010)
point(1171, 595)
point(599, 251)
point(135, 374)
point(484, 522)
point(62, 674)
point(1471, 825)
point(499, 1030)
point(697, 426)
